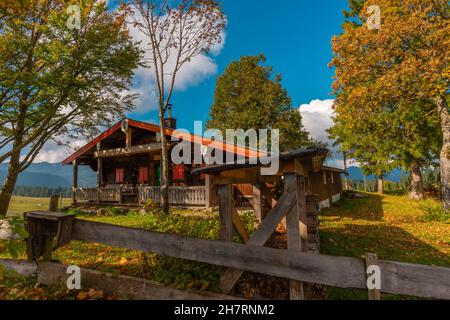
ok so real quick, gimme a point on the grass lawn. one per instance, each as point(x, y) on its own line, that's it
point(391, 226)
point(394, 227)
point(19, 205)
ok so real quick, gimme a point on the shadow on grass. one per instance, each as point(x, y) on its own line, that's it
point(389, 242)
point(368, 208)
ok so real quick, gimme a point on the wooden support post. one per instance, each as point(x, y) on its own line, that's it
point(239, 226)
point(99, 177)
point(208, 191)
point(153, 174)
point(129, 138)
point(54, 202)
point(371, 259)
point(271, 201)
point(46, 231)
point(258, 203)
point(74, 181)
point(297, 232)
point(226, 208)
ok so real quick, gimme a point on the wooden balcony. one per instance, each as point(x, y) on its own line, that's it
point(178, 196)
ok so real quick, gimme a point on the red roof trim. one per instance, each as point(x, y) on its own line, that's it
point(168, 132)
point(93, 143)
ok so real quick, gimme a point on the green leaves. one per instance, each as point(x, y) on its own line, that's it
point(248, 97)
point(385, 85)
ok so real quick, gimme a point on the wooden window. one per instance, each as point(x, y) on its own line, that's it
point(324, 177)
point(120, 175)
point(143, 174)
point(332, 177)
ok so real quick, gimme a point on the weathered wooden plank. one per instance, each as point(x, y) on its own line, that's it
point(208, 191)
point(22, 267)
point(337, 271)
point(268, 195)
point(239, 226)
point(260, 237)
point(415, 280)
point(257, 202)
point(397, 278)
point(145, 148)
point(372, 260)
point(226, 208)
point(291, 183)
point(74, 181)
point(122, 286)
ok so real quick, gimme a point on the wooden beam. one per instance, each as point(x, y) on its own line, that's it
point(257, 202)
point(271, 201)
point(226, 208)
point(293, 166)
point(129, 137)
point(99, 177)
point(239, 226)
point(371, 259)
point(260, 237)
point(145, 148)
point(123, 286)
point(397, 278)
point(208, 191)
point(295, 184)
point(74, 180)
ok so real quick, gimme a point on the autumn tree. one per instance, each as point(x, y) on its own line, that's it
point(57, 81)
point(248, 96)
point(176, 31)
point(396, 79)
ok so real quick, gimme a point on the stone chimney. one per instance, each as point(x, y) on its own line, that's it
point(170, 122)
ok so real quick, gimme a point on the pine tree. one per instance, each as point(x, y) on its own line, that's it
point(248, 96)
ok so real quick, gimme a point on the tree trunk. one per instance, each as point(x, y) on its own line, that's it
point(442, 107)
point(164, 168)
point(380, 185)
point(417, 191)
point(345, 168)
point(10, 182)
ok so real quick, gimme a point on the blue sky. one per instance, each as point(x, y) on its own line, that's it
point(295, 36)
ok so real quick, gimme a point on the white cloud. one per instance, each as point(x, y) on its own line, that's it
point(53, 152)
point(317, 119)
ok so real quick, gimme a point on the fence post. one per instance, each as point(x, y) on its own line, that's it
point(226, 208)
point(371, 260)
point(54, 200)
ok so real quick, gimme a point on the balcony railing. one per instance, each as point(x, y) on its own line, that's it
point(178, 196)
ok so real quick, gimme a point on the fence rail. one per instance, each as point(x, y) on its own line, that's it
point(396, 277)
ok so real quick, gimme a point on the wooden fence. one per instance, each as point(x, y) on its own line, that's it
point(396, 277)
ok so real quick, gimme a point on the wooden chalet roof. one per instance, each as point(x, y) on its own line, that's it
point(303, 154)
point(242, 151)
point(332, 169)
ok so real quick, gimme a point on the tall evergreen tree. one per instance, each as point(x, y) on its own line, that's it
point(249, 97)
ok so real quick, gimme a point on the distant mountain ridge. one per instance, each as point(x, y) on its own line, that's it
point(357, 174)
point(51, 175)
point(54, 175)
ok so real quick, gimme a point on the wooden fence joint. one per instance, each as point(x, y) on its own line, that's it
point(373, 273)
point(47, 231)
